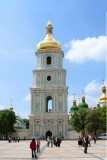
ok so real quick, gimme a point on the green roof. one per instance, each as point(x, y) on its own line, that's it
point(74, 108)
point(83, 105)
point(21, 129)
point(18, 121)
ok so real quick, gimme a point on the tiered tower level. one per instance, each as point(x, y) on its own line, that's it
point(49, 83)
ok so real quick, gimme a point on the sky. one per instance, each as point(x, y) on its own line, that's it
point(80, 26)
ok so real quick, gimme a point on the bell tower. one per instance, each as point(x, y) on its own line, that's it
point(49, 85)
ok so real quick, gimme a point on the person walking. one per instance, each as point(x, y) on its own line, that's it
point(18, 139)
point(52, 142)
point(95, 139)
point(89, 139)
point(33, 148)
point(48, 139)
point(85, 140)
point(58, 141)
point(38, 145)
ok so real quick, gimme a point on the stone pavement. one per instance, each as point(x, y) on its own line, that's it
point(69, 150)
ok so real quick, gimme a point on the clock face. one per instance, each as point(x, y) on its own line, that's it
point(49, 78)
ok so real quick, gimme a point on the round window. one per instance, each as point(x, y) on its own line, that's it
point(49, 78)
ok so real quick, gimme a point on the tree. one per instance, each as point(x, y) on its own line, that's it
point(93, 121)
point(103, 117)
point(7, 121)
point(27, 122)
point(78, 120)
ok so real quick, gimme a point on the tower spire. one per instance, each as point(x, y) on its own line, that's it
point(11, 108)
point(49, 43)
point(79, 101)
point(74, 100)
point(103, 98)
point(83, 97)
point(74, 95)
point(83, 92)
point(11, 102)
point(103, 82)
point(49, 16)
point(49, 26)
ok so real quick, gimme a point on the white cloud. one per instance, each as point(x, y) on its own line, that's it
point(93, 88)
point(87, 49)
point(23, 114)
point(70, 100)
point(28, 97)
point(2, 107)
point(91, 101)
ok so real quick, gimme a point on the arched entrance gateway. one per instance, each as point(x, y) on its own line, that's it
point(48, 134)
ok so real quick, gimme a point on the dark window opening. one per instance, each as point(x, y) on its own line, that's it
point(49, 104)
point(48, 60)
point(49, 78)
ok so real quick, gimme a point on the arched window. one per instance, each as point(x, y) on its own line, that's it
point(49, 78)
point(49, 104)
point(48, 60)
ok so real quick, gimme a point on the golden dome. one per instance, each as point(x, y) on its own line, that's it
point(83, 98)
point(11, 108)
point(74, 101)
point(94, 107)
point(49, 43)
point(49, 24)
point(98, 104)
point(103, 98)
point(79, 104)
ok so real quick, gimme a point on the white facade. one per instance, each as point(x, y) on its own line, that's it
point(49, 83)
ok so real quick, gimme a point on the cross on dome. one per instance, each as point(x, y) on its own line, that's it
point(74, 95)
point(11, 102)
point(83, 92)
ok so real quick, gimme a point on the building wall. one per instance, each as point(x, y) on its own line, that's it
point(72, 134)
point(56, 124)
point(40, 120)
point(18, 133)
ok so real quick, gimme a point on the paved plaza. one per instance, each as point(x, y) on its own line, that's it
point(69, 150)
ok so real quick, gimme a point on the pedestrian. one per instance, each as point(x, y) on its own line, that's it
point(38, 145)
point(52, 142)
point(18, 139)
point(58, 141)
point(33, 148)
point(95, 139)
point(89, 139)
point(48, 140)
point(13, 139)
point(9, 139)
point(85, 140)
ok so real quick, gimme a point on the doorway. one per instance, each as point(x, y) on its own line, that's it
point(48, 134)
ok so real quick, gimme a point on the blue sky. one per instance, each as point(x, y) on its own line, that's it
point(80, 26)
